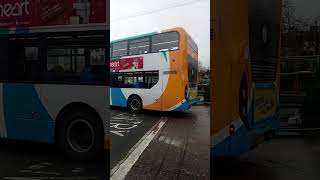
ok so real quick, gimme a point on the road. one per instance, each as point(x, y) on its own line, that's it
point(165, 145)
point(36, 161)
point(287, 157)
point(126, 129)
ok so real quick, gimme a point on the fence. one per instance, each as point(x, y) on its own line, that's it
point(299, 81)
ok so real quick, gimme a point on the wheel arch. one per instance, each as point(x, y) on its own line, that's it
point(133, 95)
point(75, 106)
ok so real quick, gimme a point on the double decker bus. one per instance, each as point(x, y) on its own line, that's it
point(245, 71)
point(154, 71)
point(54, 87)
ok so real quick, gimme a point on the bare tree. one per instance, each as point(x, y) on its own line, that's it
point(302, 23)
point(288, 15)
point(201, 67)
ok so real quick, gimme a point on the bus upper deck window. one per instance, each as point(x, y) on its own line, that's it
point(139, 46)
point(165, 42)
point(120, 49)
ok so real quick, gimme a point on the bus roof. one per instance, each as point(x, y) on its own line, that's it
point(134, 37)
point(59, 28)
point(146, 34)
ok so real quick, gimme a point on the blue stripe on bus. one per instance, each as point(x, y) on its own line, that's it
point(243, 140)
point(182, 107)
point(118, 99)
point(185, 106)
point(234, 145)
point(25, 116)
point(266, 125)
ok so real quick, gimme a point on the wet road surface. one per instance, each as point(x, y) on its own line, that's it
point(126, 129)
point(36, 161)
point(287, 157)
point(178, 150)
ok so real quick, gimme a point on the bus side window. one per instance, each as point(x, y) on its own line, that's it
point(165, 42)
point(16, 61)
point(120, 49)
point(97, 57)
point(138, 80)
point(117, 80)
point(4, 60)
point(96, 69)
point(151, 79)
point(128, 80)
point(142, 80)
point(32, 63)
point(66, 65)
point(139, 46)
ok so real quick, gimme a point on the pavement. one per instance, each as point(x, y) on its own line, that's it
point(176, 146)
point(37, 161)
point(126, 129)
point(287, 157)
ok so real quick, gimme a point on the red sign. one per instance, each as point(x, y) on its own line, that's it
point(16, 13)
point(50, 8)
point(26, 13)
point(127, 63)
point(98, 11)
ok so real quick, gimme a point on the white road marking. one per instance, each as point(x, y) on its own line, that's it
point(120, 171)
point(36, 169)
point(119, 133)
point(121, 124)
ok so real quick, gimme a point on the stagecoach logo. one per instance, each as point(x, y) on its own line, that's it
point(20, 8)
point(127, 63)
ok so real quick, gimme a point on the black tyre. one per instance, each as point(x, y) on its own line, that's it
point(80, 136)
point(135, 104)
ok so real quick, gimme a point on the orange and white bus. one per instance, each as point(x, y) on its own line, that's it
point(245, 71)
point(154, 71)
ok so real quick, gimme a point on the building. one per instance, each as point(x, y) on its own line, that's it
point(204, 85)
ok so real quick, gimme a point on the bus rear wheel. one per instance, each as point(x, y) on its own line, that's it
point(135, 104)
point(80, 136)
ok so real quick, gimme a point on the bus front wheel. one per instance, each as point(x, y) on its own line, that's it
point(80, 136)
point(135, 104)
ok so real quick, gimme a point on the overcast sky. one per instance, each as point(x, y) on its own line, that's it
point(307, 8)
point(134, 17)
